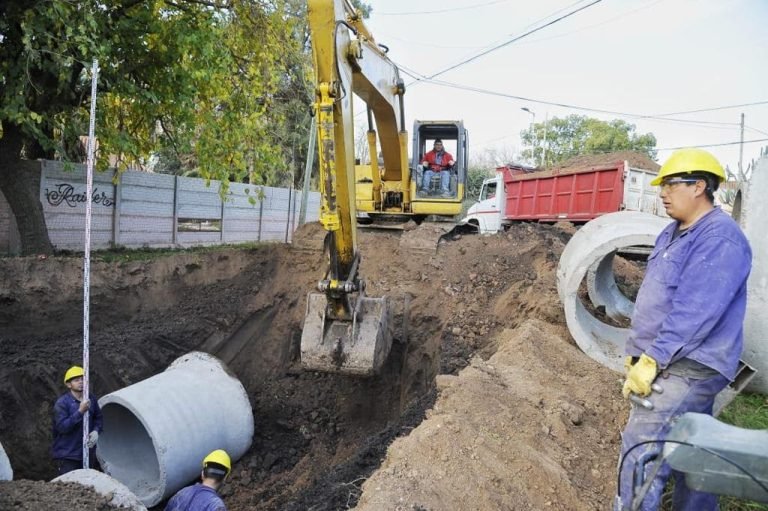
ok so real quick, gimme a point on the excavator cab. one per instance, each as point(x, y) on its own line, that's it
point(428, 196)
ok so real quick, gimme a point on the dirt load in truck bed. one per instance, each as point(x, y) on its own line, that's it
point(484, 403)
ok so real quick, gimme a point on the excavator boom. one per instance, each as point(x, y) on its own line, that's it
point(344, 330)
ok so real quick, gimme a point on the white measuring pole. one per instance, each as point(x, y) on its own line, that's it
point(87, 260)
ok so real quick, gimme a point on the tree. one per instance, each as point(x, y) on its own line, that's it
point(196, 77)
point(577, 135)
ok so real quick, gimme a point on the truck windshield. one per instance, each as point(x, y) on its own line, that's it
point(488, 191)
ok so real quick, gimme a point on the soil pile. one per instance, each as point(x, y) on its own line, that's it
point(38, 496)
point(318, 437)
point(524, 430)
point(636, 159)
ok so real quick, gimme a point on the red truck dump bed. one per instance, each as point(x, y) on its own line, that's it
point(573, 194)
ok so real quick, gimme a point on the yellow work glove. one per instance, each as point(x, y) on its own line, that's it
point(627, 364)
point(640, 377)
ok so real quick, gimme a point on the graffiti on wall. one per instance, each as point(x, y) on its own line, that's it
point(65, 193)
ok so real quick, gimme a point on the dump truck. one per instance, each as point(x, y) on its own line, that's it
point(577, 195)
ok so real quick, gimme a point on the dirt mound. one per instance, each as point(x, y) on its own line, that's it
point(636, 159)
point(318, 437)
point(38, 495)
point(523, 430)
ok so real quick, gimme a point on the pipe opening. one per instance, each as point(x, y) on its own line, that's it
point(127, 452)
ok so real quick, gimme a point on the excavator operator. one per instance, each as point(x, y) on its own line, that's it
point(438, 161)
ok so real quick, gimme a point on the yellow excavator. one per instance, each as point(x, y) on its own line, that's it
point(346, 331)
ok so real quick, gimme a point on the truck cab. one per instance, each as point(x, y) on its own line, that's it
point(487, 212)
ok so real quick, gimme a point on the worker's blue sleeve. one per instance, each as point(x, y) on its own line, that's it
point(66, 417)
point(713, 277)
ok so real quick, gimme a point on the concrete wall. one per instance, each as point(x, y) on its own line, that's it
point(753, 217)
point(9, 233)
point(140, 209)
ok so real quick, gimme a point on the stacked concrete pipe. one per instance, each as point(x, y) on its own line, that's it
point(157, 431)
point(590, 255)
point(593, 247)
point(752, 216)
point(6, 472)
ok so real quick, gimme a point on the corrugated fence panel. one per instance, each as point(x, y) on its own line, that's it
point(199, 238)
point(63, 196)
point(146, 208)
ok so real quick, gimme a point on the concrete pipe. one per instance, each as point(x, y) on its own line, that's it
point(754, 211)
point(595, 245)
point(119, 496)
point(157, 431)
point(604, 292)
point(6, 472)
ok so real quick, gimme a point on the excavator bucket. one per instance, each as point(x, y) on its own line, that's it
point(356, 347)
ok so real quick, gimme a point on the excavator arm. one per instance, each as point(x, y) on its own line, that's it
point(344, 330)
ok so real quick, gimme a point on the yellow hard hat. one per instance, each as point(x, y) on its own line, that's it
point(73, 372)
point(220, 457)
point(687, 161)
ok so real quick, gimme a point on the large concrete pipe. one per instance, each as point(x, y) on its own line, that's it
point(590, 254)
point(595, 245)
point(119, 495)
point(157, 431)
point(6, 472)
point(754, 211)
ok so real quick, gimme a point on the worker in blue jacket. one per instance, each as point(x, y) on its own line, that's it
point(686, 333)
point(68, 412)
point(203, 496)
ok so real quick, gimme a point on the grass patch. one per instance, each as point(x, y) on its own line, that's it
point(747, 411)
point(125, 255)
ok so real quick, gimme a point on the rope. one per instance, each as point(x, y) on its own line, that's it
point(87, 261)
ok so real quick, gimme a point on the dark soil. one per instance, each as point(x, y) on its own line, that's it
point(39, 496)
point(318, 436)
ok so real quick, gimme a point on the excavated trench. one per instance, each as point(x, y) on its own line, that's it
point(317, 436)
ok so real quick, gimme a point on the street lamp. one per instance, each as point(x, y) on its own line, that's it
point(533, 133)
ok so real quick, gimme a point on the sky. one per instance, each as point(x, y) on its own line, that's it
point(636, 57)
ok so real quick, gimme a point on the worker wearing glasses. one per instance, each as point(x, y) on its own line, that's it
point(686, 334)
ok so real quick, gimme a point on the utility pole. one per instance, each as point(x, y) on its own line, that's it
point(544, 159)
point(534, 139)
point(741, 147)
point(308, 171)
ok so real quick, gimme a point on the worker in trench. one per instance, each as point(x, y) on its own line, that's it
point(686, 335)
point(204, 496)
point(68, 412)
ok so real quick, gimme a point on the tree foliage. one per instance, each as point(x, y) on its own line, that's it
point(578, 135)
point(207, 78)
point(218, 86)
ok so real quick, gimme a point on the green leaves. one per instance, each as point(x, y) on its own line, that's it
point(220, 89)
point(578, 135)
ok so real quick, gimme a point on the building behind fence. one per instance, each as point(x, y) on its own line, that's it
point(140, 209)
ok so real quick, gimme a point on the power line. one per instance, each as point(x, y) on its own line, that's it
point(713, 145)
point(712, 109)
point(475, 47)
point(757, 130)
point(713, 124)
point(517, 38)
point(604, 22)
point(453, 9)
